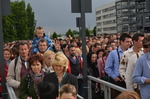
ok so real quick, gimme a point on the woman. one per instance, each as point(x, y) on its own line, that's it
point(92, 64)
point(93, 71)
point(47, 64)
point(28, 86)
point(7, 56)
point(59, 77)
point(7, 60)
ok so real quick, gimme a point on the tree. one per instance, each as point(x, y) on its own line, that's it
point(54, 35)
point(69, 33)
point(87, 32)
point(31, 21)
point(94, 31)
point(20, 24)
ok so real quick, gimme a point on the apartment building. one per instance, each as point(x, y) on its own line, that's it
point(106, 19)
point(123, 16)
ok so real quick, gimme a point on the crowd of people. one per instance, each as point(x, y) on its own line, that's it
point(41, 68)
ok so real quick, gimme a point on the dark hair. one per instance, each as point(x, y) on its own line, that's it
point(64, 46)
point(79, 44)
point(47, 90)
point(73, 40)
point(35, 58)
point(22, 43)
point(136, 36)
point(124, 36)
point(70, 46)
point(97, 44)
point(146, 41)
point(42, 40)
point(100, 50)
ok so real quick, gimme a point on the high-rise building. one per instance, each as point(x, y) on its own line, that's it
point(106, 19)
point(123, 16)
point(132, 16)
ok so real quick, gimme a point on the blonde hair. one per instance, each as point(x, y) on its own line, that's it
point(128, 95)
point(48, 52)
point(60, 59)
point(68, 88)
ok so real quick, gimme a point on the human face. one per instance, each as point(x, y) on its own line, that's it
point(48, 59)
point(126, 44)
point(72, 51)
point(42, 47)
point(59, 69)
point(100, 54)
point(67, 96)
point(23, 51)
point(39, 33)
point(93, 58)
point(139, 43)
point(97, 48)
point(36, 67)
point(7, 55)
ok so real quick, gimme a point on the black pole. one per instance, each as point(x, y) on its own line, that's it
point(4, 89)
point(85, 85)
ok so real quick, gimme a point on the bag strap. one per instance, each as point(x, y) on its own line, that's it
point(16, 60)
point(118, 54)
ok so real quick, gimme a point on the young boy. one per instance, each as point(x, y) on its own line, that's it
point(40, 34)
point(67, 91)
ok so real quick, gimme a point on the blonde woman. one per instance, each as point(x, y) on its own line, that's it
point(47, 61)
point(59, 77)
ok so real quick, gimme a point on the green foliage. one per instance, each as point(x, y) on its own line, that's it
point(94, 31)
point(54, 35)
point(69, 33)
point(88, 32)
point(20, 24)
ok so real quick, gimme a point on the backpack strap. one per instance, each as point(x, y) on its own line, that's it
point(16, 60)
point(118, 54)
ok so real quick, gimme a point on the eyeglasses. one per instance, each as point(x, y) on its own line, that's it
point(145, 46)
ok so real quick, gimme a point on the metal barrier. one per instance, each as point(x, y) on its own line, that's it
point(107, 86)
point(11, 93)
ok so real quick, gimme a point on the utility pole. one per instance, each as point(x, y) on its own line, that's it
point(4, 10)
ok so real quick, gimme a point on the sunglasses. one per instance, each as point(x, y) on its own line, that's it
point(145, 46)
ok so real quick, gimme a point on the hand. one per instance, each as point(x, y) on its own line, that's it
point(29, 97)
point(117, 79)
point(123, 77)
point(38, 53)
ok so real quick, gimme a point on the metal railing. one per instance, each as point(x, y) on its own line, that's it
point(107, 86)
point(11, 93)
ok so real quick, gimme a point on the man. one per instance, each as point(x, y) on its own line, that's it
point(18, 67)
point(141, 74)
point(135, 50)
point(130, 68)
point(75, 66)
point(67, 91)
point(113, 60)
point(42, 46)
point(39, 31)
point(74, 61)
point(96, 47)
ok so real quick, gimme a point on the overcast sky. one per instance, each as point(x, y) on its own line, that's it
point(55, 15)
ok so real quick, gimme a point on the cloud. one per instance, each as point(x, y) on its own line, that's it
point(56, 15)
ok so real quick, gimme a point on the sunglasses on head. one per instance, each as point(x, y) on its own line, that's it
point(145, 46)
